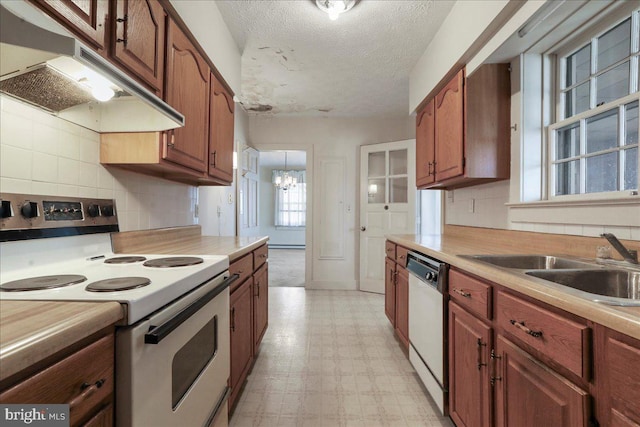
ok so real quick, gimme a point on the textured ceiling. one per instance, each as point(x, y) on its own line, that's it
point(296, 61)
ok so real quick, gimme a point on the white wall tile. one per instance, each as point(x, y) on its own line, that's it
point(11, 185)
point(68, 171)
point(105, 179)
point(68, 190)
point(44, 188)
point(45, 167)
point(15, 162)
point(88, 175)
point(46, 139)
point(69, 146)
point(16, 131)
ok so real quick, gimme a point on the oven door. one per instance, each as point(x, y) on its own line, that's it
point(172, 367)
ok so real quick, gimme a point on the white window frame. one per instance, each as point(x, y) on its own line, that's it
point(558, 59)
point(300, 187)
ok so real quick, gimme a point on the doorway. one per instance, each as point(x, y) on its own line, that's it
point(280, 184)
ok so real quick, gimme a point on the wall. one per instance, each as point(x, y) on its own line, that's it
point(330, 141)
point(42, 154)
point(266, 213)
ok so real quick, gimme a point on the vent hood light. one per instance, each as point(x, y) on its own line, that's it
point(42, 64)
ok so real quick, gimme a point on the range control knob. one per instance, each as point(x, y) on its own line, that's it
point(5, 209)
point(107, 210)
point(93, 211)
point(430, 276)
point(29, 210)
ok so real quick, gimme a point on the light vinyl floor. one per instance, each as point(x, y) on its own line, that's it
point(329, 358)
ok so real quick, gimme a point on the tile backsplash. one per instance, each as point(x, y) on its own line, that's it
point(42, 154)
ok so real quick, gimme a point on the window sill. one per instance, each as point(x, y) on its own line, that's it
point(289, 228)
point(623, 212)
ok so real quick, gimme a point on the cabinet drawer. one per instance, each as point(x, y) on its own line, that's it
point(242, 267)
point(84, 380)
point(390, 249)
point(556, 337)
point(472, 294)
point(260, 256)
point(401, 255)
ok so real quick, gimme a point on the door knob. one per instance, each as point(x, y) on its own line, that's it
point(363, 228)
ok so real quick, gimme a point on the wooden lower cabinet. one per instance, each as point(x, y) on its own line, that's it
point(261, 305)
point(528, 394)
point(84, 380)
point(240, 323)
point(402, 305)
point(469, 380)
point(618, 378)
point(390, 290)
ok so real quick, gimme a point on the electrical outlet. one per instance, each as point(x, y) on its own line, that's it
point(450, 196)
point(230, 201)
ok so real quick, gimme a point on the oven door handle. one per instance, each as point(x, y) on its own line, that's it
point(158, 333)
point(218, 407)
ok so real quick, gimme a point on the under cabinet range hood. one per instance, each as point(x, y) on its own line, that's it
point(42, 64)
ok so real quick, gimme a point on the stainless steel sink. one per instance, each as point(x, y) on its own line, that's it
point(531, 262)
point(619, 284)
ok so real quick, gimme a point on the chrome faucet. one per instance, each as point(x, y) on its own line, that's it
point(628, 254)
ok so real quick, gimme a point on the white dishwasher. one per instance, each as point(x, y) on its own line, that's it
point(427, 324)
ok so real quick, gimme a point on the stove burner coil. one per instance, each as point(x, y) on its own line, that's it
point(124, 260)
point(118, 284)
point(178, 261)
point(42, 282)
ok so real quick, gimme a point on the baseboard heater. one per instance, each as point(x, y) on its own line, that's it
point(285, 246)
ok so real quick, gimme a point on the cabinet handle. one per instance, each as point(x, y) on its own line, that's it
point(86, 390)
point(172, 139)
point(523, 328)
point(233, 319)
point(122, 19)
point(258, 286)
point(480, 345)
point(214, 158)
point(401, 257)
point(429, 170)
point(461, 292)
point(494, 359)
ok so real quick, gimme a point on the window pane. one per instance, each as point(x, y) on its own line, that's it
point(602, 173)
point(568, 178)
point(376, 190)
point(631, 169)
point(631, 123)
point(602, 131)
point(576, 100)
point(613, 84)
point(376, 164)
point(568, 142)
point(578, 66)
point(614, 45)
point(398, 190)
point(398, 162)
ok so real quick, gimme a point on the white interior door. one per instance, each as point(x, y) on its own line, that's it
point(387, 204)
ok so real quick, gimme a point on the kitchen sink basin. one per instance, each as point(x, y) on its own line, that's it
point(621, 287)
point(532, 262)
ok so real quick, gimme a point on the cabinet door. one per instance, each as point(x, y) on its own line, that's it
point(241, 325)
point(85, 18)
point(469, 378)
point(528, 394)
point(104, 418)
point(221, 132)
point(139, 27)
point(390, 290)
point(402, 305)
point(260, 305)
point(618, 377)
point(187, 90)
point(425, 145)
point(449, 129)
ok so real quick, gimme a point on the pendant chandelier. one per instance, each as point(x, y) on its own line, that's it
point(283, 179)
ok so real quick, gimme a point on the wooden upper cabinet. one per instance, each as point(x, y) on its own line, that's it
point(138, 44)
point(187, 90)
point(87, 19)
point(425, 144)
point(221, 132)
point(449, 129)
point(471, 136)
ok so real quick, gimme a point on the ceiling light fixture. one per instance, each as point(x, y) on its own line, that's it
point(282, 179)
point(335, 7)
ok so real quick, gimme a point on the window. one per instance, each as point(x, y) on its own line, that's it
point(291, 204)
point(594, 144)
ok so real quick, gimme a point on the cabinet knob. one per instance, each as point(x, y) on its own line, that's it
point(363, 228)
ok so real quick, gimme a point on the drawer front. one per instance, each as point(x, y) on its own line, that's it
point(401, 255)
point(242, 267)
point(84, 380)
point(473, 294)
point(390, 249)
point(260, 256)
point(562, 340)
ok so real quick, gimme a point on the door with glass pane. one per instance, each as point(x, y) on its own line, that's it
point(387, 204)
